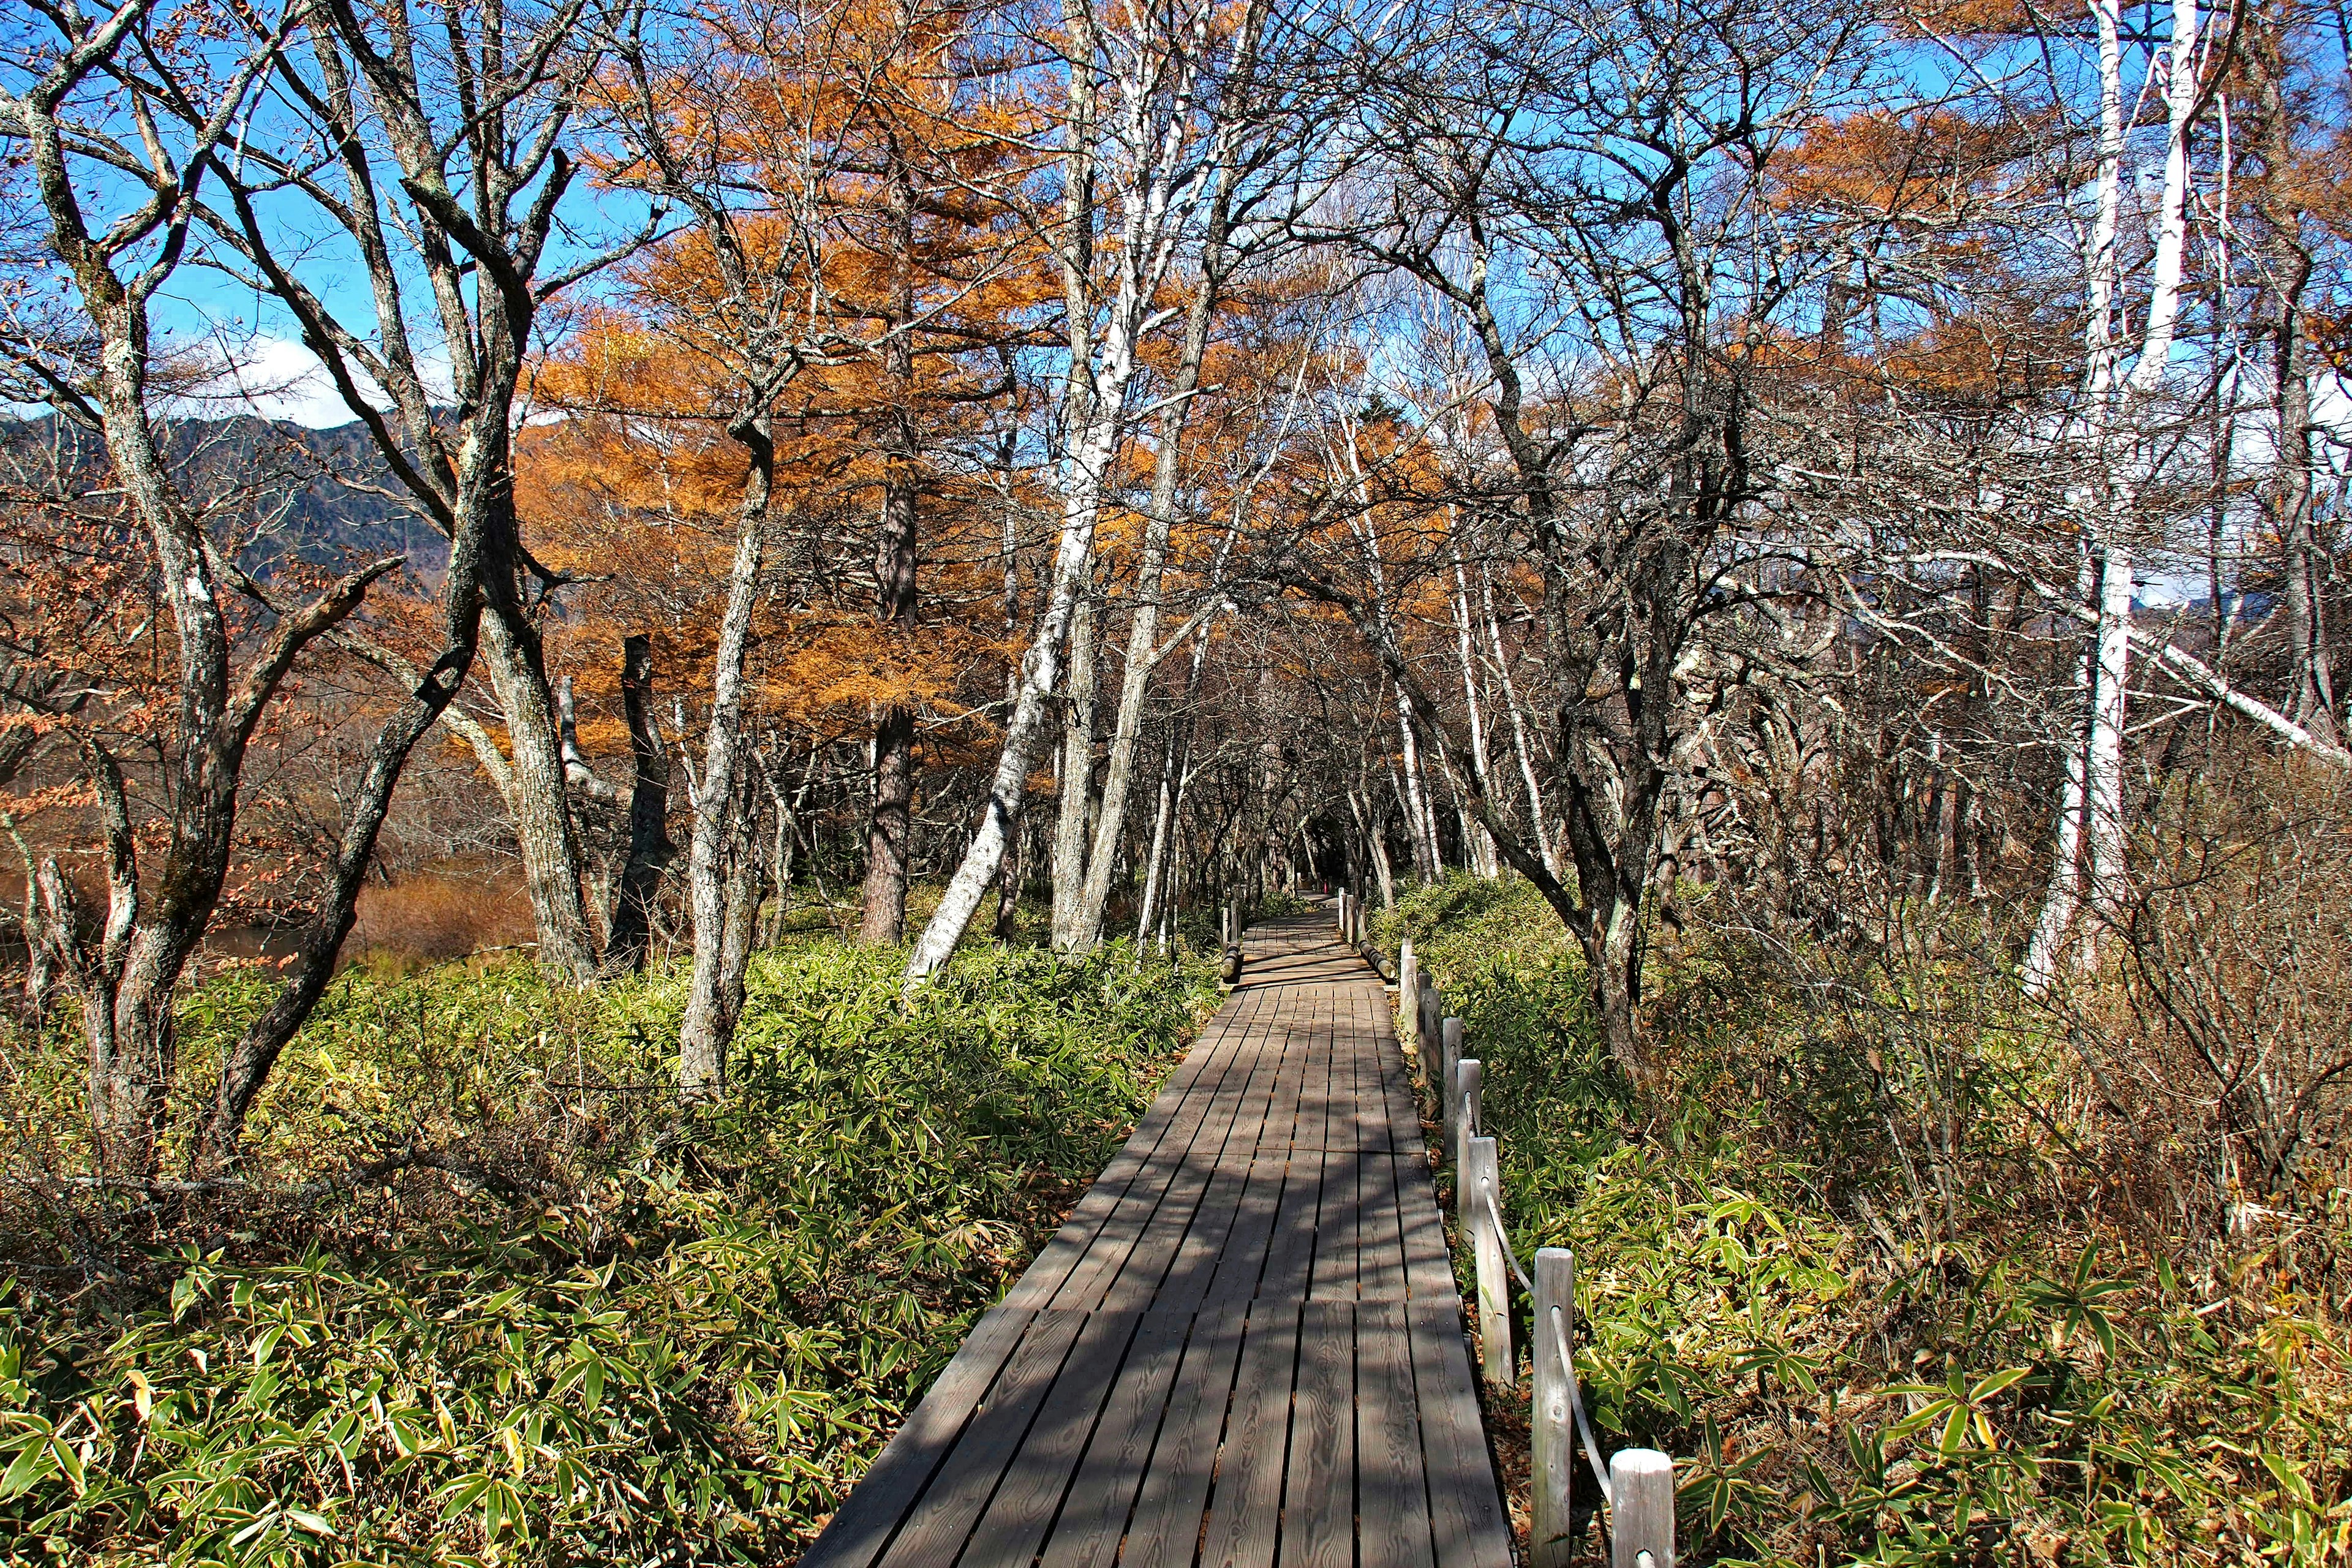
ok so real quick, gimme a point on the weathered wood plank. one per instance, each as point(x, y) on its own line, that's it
point(1245, 1511)
point(1013, 1525)
point(857, 1532)
point(1392, 1476)
point(1465, 1507)
point(1093, 1520)
point(1165, 1529)
point(935, 1529)
point(1319, 1524)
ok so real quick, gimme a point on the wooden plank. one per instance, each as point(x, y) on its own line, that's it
point(1242, 1260)
point(934, 1531)
point(1246, 1510)
point(861, 1528)
point(1039, 1284)
point(1156, 1254)
point(1107, 1253)
point(1465, 1505)
point(1290, 1243)
point(1391, 1480)
point(1165, 1529)
point(1354, 1122)
point(1319, 1516)
point(1094, 1520)
point(1193, 1268)
point(1013, 1524)
point(1339, 1239)
point(1379, 1236)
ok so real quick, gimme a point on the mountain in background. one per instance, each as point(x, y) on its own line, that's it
point(284, 492)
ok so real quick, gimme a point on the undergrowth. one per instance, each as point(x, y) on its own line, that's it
point(538, 1318)
point(1876, 1275)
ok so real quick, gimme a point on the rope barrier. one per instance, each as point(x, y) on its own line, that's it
point(1560, 1343)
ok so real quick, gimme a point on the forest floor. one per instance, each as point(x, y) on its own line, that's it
point(1861, 1274)
point(488, 1298)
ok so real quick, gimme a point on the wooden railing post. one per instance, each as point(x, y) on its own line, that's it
point(1475, 1180)
point(1641, 1510)
point(1469, 1082)
point(1552, 1426)
point(1449, 1032)
point(1408, 993)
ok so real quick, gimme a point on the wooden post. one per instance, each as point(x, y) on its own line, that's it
point(1449, 1031)
point(1467, 1075)
point(1552, 1426)
point(1641, 1510)
point(1477, 1178)
point(1432, 1049)
point(1409, 994)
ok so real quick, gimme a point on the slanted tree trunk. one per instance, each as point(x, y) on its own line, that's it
point(1143, 629)
point(1153, 212)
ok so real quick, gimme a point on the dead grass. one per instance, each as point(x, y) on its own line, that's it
point(434, 916)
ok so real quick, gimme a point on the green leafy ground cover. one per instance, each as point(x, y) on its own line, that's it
point(1868, 1279)
point(579, 1332)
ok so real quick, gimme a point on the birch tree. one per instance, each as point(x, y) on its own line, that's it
point(1142, 132)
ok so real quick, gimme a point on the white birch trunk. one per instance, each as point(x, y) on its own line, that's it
point(1153, 131)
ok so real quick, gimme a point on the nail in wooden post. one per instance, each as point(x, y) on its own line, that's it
point(1450, 1081)
point(1478, 1180)
point(1641, 1510)
point(1552, 1425)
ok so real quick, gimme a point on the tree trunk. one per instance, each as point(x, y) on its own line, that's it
point(2104, 762)
point(629, 932)
point(1479, 850)
point(1536, 810)
point(2063, 893)
point(710, 1005)
point(539, 803)
point(1077, 777)
point(1143, 630)
point(896, 554)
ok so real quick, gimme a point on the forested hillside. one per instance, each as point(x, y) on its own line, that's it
point(565, 934)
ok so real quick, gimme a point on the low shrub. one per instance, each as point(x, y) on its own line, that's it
point(541, 1318)
point(1856, 1278)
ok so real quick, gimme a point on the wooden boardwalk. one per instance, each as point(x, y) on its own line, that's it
point(1242, 1348)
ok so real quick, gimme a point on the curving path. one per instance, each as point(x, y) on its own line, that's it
point(1243, 1347)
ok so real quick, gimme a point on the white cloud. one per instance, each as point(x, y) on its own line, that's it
point(279, 378)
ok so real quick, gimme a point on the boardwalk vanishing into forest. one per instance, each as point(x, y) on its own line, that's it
point(1243, 1347)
